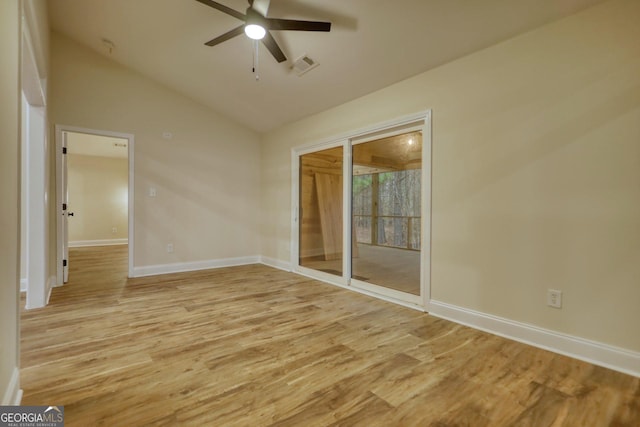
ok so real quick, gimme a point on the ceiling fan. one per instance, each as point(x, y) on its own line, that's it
point(257, 26)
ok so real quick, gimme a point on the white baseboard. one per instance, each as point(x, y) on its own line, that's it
point(152, 270)
point(23, 285)
point(105, 242)
point(275, 263)
point(605, 355)
point(51, 283)
point(13, 393)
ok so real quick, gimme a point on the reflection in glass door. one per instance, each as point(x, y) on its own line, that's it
point(361, 211)
point(321, 211)
point(386, 212)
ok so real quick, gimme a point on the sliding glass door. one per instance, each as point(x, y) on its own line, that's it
point(321, 210)
point(386, 211)
point(362, 212)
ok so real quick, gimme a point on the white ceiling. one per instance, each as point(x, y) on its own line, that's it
point(372, 44)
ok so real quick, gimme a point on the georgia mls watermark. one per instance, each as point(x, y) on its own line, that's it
point(31, 416)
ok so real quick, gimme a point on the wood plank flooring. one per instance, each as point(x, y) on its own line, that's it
point(255, 346)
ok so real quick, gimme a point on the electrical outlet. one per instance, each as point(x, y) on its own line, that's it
point(554, 298)
point(153, 192)
point(114, 230)
point(169, 248)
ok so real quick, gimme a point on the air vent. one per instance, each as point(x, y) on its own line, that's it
point(304, 64)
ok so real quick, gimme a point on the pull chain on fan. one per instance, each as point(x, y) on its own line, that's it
point(255, 60)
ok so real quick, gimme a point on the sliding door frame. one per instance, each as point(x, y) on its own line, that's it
point(419, 121)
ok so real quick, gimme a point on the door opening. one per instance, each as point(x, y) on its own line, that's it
point(386, 211)
point(362, 211)
point(321, 210)
point(95, 192)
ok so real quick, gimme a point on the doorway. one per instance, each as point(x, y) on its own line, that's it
point(95, 192)
point(362, 211)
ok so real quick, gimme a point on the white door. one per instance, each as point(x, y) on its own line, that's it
point(65, 212)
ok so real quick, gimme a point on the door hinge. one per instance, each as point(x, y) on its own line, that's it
point(64, 150)
point(64, 206)
point(64, 262)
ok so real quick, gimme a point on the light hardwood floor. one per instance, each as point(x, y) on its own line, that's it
point(254, 346)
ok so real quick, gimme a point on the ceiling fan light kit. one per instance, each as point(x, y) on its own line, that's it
point(254, 31)
point(254, 26)
point(258, 27)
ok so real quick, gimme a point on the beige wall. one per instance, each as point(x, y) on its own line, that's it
point(98, 191)
point(536, 172)
point(9, 185)
point(206, 176)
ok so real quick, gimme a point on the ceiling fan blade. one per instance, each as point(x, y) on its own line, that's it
point(223, 8)
point(226, 36)
point(295, 25)
point(273, 47)
point(260, 6)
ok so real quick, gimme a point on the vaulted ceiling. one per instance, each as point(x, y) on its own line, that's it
point(372, 44)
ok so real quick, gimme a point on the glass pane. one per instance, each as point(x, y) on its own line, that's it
point(321, 210)
point(414, 234)
point(397, 193)
point(393, 231)
point(362, 194)
point(362, 225)
point(386, 212)
point(362, 206)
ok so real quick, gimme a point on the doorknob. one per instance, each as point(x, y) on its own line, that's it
point(69, 213)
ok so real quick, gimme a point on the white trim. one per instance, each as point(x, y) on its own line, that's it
point(600, 354)
point(294, 250)
point(35, 177)
point(104, 242)
point(333, 280)
point(275, 263)
point(50, 285)
point(24, 284)
point(34, 31)
point(131, 202)
point(180, 267)
point(426, 209)
point(32, 81)
point(131, 187)
point(391, 293)
point(358, 133)
point(13, 394)
point(49, 290)
point(36, 204)
point(347, 210)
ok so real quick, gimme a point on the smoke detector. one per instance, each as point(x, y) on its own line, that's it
point(304, 64)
